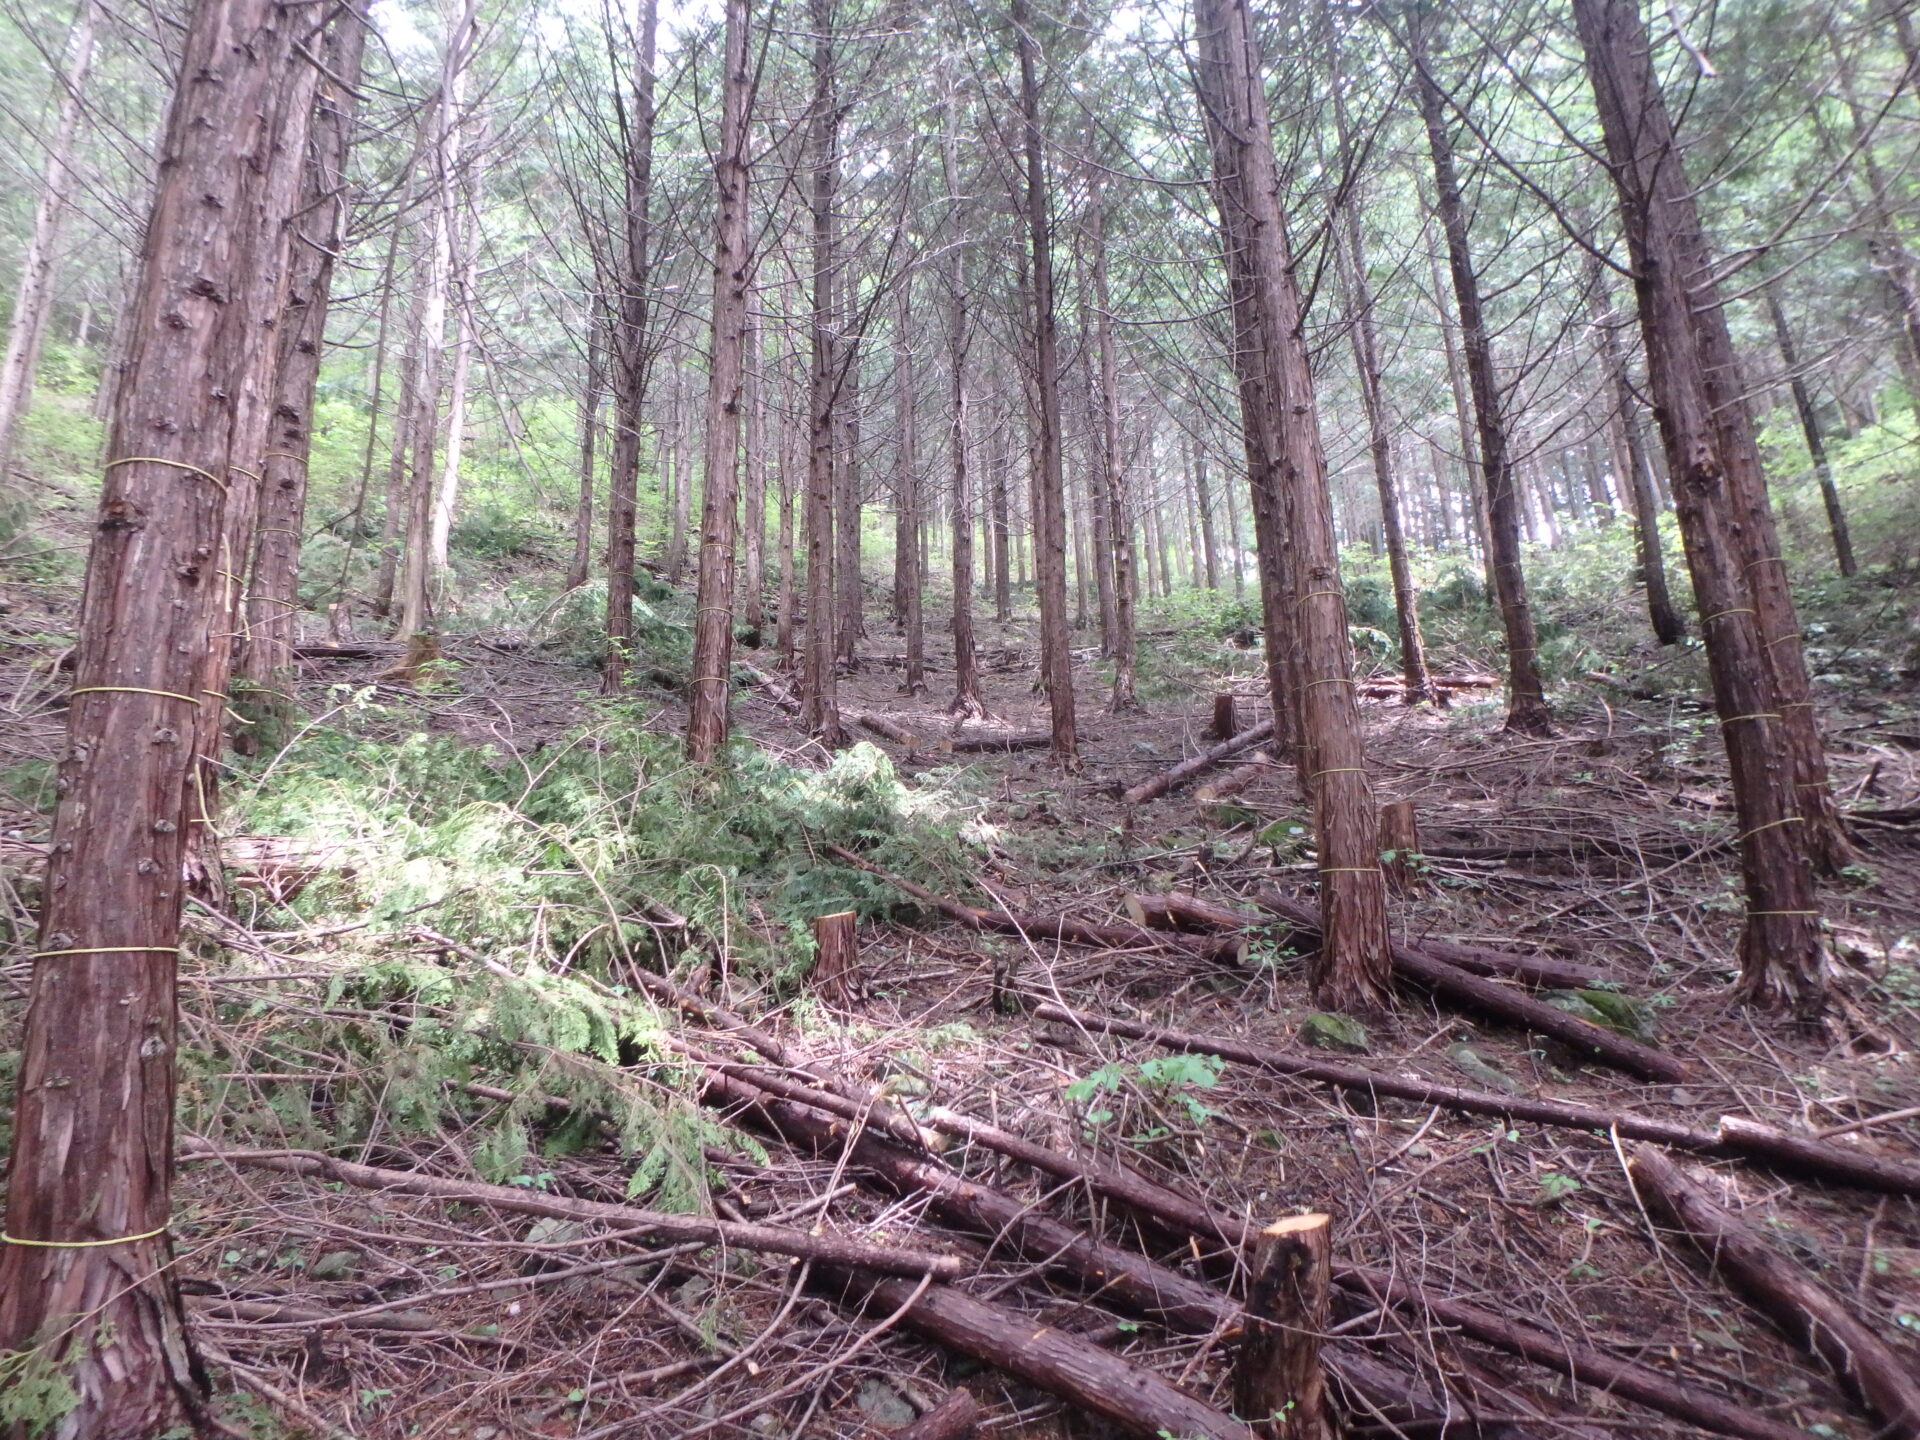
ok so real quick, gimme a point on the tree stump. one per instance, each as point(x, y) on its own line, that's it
point(1278, 1385)
point(1399, 843)
point(1226, 719)
point(836, 957)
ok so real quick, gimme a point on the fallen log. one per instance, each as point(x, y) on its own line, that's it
point(952, 1419)
point(1085, 1376)
point(1805, 1310)
point(1130, 1282)
point(349, 650)
point(886, 728)
point(1183, 1214)
point(1179, 775)
point(1181, 1303)
point(1238, 779)
point(1560, 1352)
point(993, 741)
point(781, 695)
point(1192, 912)
point(1735, 1139)
point(1137, 1284)
point(1229, 950)
point(1422, 966)
point(1177, 1212)
point(1476, 992)
point(1393, 686)
point(769, 1239)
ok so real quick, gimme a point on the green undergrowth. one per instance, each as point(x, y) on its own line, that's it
point(480, 918)
point(592, 851)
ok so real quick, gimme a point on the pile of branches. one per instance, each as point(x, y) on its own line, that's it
point(1063, 1270)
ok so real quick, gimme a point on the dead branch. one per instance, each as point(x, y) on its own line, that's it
point(1085, 1376)
point(770, 1239)
point(1231, 950)
point(1475, 992)
point(1179, 775)
point(1734, 1139)
point(1806, 1311)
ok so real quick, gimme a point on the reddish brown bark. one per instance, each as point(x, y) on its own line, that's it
point(1780, 949)
point(1808, 1312)
point(1123, 595)
point(1351, 970)
point(967, 701)
point(93, 1123)
point(273, 595)
point(1630, 465)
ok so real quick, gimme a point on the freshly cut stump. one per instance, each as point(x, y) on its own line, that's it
point(1278, 1385)
point(1399, 843)
point(836, 956)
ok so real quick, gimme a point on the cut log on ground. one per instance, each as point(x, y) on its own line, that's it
point(1192, 912)
point(1148, 1198)
point(1133, 1282)
point(1182, 1214)
point(1121, 1278)
point(1183, 772)
point(886, 728)
point(349, 650)
point(631, 1219)
point(952, 1419)
point(781, 695)
point(1476, 992)
point(1449, 982)
point(1810, 1314)
point(978, 742)
point(1235, 780)
point(1444, 686)
point(1560, 1352)
point(1734, 1139)
point(1085, 1376)
point(836, 956)
point(1277, 1381)
point(1142, 1286)
point(1228, 950)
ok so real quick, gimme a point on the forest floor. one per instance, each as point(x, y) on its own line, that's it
point(330, 1309)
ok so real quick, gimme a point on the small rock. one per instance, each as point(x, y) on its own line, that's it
point(551, 1230)
point(765, 1423)
point(335, 1265)
point(883, 1404)
point(1624, 1013)
point(1575, 1003)
point(1329, 1030)
point(1469, 1062)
